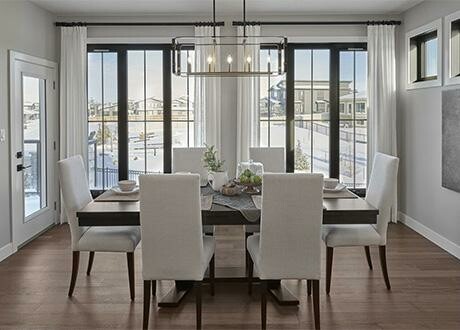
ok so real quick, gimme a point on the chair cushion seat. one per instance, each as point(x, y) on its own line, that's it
point(110, 239)
point(350, 235)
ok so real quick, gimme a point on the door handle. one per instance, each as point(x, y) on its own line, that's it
point(21, 167)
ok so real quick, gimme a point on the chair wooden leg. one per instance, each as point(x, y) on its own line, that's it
point(250, 274)
point(329, 257)
point(145, 322)
point(198, 304)
point(73, 278)
point(263, 302)
point(132, 286)
point(248, 256)
point(154, 288)
point(368, 256)
point(212, 275)
point(316, 303)
point(383, 264)
point(90, 263)
point(309, 287)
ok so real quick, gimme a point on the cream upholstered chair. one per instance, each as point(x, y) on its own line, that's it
point(380, 194)
point(289, 243)
point(273, 158)
point(274, 161)
point(190, 160)
point(76, 195)
point(173, 245)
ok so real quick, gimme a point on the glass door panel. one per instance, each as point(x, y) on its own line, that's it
point(145, 112)
point(34, 148)
point(311, 110)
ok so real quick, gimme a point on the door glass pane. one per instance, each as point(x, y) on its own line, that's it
point(353, 118)
point(320, 157)
point(34, 149)
point(145, 112)
point(302, 151)
point(102, 120)
point(303, 84)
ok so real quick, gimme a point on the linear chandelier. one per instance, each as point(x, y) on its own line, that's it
point(238, 59)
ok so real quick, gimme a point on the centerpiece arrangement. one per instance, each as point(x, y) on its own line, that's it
point(217, 176)
point(249, 175)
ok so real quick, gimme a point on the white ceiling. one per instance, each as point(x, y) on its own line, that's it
point(223, 7)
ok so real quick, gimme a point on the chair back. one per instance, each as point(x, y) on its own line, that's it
point(382, 189)
point(190, 160)
point(290, 230)
point(171, 228)
point(273, 159)
point(75, 193)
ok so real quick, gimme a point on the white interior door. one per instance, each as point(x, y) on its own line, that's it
point(33, 116)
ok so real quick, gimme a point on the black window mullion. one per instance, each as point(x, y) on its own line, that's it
point(290, 108)
point(123, 139)
point(334, 125)
point(102, 118)
point(167, 126)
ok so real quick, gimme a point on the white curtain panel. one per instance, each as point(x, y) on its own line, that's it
point(73, 100)
point(247, 97)
point(207, 125)
point(382, 95)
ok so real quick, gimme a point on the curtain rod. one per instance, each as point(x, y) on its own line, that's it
point(239, 23)
point(67, 24)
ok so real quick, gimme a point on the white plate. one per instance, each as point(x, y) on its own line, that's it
point(338, 188)
point(118, 191)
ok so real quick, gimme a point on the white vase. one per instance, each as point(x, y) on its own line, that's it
point(217, 180)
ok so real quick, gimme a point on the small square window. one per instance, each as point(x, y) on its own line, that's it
point(455, 49)
point(424, 56)
point(452, 58)
point(425, 61)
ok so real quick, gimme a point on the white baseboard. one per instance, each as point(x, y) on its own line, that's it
point(6, 251)
point(431, 235)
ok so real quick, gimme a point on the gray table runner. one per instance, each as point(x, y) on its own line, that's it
point(242, 202)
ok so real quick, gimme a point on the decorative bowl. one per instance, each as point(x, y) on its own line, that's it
point(127, 185)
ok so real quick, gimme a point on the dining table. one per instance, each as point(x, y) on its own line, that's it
point(112, 209)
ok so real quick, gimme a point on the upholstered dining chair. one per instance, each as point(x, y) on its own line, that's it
point(289, 243)
point(380, 194)
point(273, 158)
point(190, 160)
point(76, 195)
point(274, 161)
point(173, 245)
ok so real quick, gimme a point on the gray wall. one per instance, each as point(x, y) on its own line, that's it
point(26, 28)
point(419, 127)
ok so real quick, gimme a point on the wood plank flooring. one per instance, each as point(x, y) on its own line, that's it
point(425, 290)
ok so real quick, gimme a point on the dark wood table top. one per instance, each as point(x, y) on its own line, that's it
point(336, 211)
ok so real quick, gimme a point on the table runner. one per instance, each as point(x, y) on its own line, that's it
point(242, 202)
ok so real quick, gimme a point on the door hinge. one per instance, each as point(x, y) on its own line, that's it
point(55, 206)
point(54, 145)
point(54, 85)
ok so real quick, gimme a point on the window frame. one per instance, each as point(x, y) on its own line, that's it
point(123, 122)
point(414, 59)
point(334, 102)
point(451, 79)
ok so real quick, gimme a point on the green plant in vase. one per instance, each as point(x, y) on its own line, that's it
point(212, 163)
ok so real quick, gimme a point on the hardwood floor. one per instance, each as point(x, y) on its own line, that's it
point(425, 292)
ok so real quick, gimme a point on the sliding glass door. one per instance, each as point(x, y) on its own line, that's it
point(129, 112)
point(326, 108)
